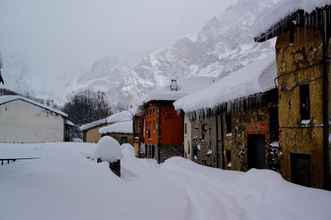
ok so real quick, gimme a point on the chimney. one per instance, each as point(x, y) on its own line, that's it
point(174, 85)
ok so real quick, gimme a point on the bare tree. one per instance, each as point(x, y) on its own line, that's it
point(87, 106)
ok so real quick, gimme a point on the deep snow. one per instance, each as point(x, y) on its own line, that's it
point(64, 184)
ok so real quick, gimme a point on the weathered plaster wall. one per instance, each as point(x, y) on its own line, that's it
point(93, 135)
point(22, 122)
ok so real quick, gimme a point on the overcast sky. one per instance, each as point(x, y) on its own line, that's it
point(58, 37)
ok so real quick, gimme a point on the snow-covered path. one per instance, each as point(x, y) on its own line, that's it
point(64, 184)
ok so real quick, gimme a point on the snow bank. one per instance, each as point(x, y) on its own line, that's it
point(65, 184)
point(108, 149)
point(127, 150)
point(120, 127)
point(120, 117)
point(254, 78)
point(283, 9)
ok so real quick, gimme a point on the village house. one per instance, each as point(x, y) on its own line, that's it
point(233, 123)
point(120, 127)
point(23, 120)
point(90, 131)
point(303, 53)
point(163, 125)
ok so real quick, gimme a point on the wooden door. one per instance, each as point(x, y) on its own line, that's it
point(301, 169)
point(256, 152)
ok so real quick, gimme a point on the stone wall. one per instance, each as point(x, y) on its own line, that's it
point(299, 63)
point(164, 152)
point(215, 145)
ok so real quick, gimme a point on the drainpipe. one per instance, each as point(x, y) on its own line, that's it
point(158, 135)
point(325, 39)
point(222, 140)
point(217, 142)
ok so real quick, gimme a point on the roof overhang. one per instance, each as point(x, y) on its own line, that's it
point(319, 18)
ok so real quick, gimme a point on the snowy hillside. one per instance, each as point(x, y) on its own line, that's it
point(225, 44)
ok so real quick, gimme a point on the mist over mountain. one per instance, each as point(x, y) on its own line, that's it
point(223, 45)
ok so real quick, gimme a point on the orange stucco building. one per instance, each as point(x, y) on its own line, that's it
point(163, 130)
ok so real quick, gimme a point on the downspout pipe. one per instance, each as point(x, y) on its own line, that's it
point(325, 62)
point(217, 142)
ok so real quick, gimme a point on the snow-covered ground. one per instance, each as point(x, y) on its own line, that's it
point(64, 184)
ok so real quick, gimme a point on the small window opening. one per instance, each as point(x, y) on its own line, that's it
point(228, 121)
point(304, 102)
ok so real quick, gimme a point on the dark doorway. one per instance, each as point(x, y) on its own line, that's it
point(256, 152)
point(300, 168)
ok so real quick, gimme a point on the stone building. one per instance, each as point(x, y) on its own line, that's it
point(303, 54)
point(237, 127)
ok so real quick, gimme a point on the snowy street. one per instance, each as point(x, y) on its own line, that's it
point(64, 184)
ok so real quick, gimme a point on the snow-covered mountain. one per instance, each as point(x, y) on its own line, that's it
point(225, 44)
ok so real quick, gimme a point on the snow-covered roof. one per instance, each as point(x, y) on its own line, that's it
point(11, 98)
point(93, 124)
point(70, 123)
point(120, 117)
point(285, 8)
point(185, 87)
point(255, 78)
point(125, 127)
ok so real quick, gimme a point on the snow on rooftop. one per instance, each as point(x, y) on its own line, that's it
point(125, 127)
point(64, 184)
point(108, 149)
point(283, 9)
point(70, 123)
point(255, 78)
point(185, 87)
point(120, 117)
point(93, 124)
point(11, 98)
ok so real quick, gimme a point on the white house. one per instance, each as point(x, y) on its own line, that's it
point(23, 120)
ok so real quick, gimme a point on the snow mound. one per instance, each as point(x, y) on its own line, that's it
point(120, 127)
point(108, 149)
point(127, 150)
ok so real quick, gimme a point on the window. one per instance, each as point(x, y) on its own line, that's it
point(185, 128)
point(228, 121)
point(304, 102)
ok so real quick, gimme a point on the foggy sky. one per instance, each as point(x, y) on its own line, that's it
point(58, 38)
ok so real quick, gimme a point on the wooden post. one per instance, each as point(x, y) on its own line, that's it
point(115, 167)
